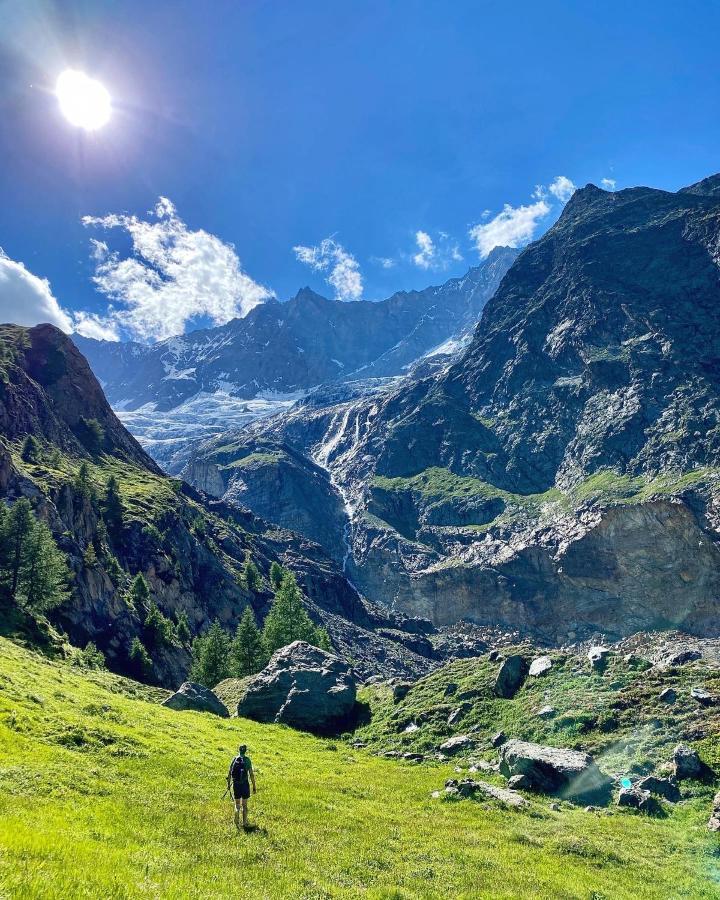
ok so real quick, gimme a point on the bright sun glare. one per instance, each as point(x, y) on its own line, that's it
point(83, 101)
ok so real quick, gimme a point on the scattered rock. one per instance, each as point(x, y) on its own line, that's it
point(714, 820)
point(678, 657)
point(498, 739)
point(635, 798)
point(374, 679)
point(599, 658)
point(469, 788)
point(457, 744)
point(301, 686)
point(400, 690)
point(413, 757)
point(457, 714)
point(494, 655)
point(553, 770)
point(547, 712)
point(196, 697)
point(662, 787)
point(555, 807)
point(540, 666)
point(703, 697)
point(591, 809)
point(411, 728)
point(686, 763)
point(511, 676)
point(450, 688)
point(668, 695)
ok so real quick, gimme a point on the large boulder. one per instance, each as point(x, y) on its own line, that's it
point(511, 676)
point(686, 763)
point(301, 686)
point(540, 666)
point(191, 695)
point(552, 770)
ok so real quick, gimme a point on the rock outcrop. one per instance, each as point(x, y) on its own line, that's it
point(552, 770)
point(511, 676)
point(301, 686)
point(198, 698)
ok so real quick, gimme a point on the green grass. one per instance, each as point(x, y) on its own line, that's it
point(254, 460)
point(104, 794)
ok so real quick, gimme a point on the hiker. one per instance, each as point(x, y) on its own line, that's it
point(240, 774)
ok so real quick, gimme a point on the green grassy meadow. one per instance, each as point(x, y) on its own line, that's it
point(104, 794)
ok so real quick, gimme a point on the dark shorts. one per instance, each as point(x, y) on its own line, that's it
point(241, 790)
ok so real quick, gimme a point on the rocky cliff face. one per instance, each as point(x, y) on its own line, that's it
point(562, 475)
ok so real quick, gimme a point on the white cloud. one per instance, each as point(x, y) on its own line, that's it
point(608, 183)
point(173, 276)
point(93, 326)
point(426, 250)
point(435, 253)
point(344, 271)
point(26, 299)
point(562, 188)
point(385, 262)
point(513, 227)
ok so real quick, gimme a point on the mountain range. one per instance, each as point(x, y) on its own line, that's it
point(560, 476)
point(196, 385)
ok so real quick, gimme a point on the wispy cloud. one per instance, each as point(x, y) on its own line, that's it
point(343, 271)
point(173, 275)
point(608, 183)
point(385, 262)
point(435, 253)
point(516, 226)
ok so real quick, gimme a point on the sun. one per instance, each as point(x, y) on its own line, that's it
point(83, 101)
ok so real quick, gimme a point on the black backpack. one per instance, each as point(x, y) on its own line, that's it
point(238, 770)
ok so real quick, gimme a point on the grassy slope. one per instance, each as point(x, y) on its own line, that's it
point(104, 794)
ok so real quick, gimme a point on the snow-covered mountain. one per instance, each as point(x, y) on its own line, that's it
point(194, 386)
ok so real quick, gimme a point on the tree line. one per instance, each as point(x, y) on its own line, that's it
point(216, 655)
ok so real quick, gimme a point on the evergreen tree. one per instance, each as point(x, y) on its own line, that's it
point(140, 662)
point(251, 575)
point(91, 434)
point(182, 628)
point(139, 592)
point(158, 629)
point(83, 482)
point(18, 527)
point(210, 657)
point(288, 620)
point(112, 510)
point(44, 575)
point(30, 450)
point(90, 559)
point(276, 574)
point(247, 652)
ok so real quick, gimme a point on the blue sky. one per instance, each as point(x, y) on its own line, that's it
point(280, 125)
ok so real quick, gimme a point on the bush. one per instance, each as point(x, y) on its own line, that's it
point(90, 657)
point(158, 630)
point(30, 450)
point(182, 628)
point(91, 434)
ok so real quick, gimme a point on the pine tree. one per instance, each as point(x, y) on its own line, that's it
point(210, 657)
point(31, 449)
point(182, 628)
point(288, 620)
point(90, 559)
point(140, 662)
point(83, 482)
point(18, 527)
point(276, 574)
point(44, 575)
point(158, 629)
point(251, 575)
point(112, 510)
point(247, 652)
point(139, 592)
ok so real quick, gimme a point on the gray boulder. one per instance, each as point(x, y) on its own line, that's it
point(301, 686)
point(552, 770)
point(599, 657)
point(668, 695)
point(540, 666)
point(400, 690)
point(714, 821)
point(466, 787)
point(662, 787)
point(686, 763)
point(635, 798)
point(191, 695)
point(498, 739)
point(511, 676)
point(457, 744)
point(703, 697)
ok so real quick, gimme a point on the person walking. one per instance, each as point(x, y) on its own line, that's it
point(240, 776)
